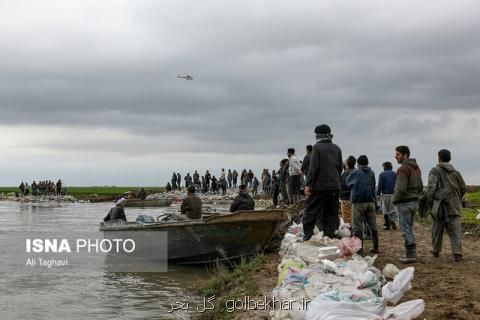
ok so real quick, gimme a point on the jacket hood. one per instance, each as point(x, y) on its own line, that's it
point(244, 194)
point(365, 169)
point(447, 167)
point(411, 163)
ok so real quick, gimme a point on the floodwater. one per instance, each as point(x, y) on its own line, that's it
point(91, 293)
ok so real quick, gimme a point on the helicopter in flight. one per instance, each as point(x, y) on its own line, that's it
point(187, 77)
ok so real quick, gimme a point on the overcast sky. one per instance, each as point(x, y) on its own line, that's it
point(89, 93)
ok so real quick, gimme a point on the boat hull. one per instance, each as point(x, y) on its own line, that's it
point(137, 203)
point(205, 241)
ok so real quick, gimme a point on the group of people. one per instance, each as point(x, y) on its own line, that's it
point(210, 183)
point(42, 188)
point(192, 204)
point(331, 184)
point(330, 179)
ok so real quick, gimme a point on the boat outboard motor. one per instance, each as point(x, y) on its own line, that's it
point(145, 219)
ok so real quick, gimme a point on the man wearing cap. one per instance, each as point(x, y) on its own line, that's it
point(243, 201)
point(323, 185)
point(117, 212)
point(191, 205)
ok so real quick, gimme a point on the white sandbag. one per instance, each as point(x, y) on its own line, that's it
point(390, 271)
point(344, 229)
point(407, 310)
point(369, 280)
point(328, 307)
point(393, 291)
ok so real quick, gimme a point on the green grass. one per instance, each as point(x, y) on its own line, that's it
point(470, 216)
point(232, 284)
point(86, 191)
point(474, 196)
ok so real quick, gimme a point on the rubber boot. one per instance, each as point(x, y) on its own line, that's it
point(410, 254)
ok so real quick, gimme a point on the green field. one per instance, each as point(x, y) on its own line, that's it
point(470, 216)
point(474, 196)
point(101, 191)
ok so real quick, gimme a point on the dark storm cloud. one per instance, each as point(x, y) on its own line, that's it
point(265, 73)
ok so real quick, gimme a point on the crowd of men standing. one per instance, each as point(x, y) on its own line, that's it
point(329, 179)
point(227, 179)
point(332, 185)
point(42, 188)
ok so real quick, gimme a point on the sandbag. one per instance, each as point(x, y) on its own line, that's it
point(407, 310)
point(393, 291)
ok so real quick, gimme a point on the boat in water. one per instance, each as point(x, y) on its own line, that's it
point(218, 237)
point(148, 203)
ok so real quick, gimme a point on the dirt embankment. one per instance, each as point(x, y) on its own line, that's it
point(450, 290)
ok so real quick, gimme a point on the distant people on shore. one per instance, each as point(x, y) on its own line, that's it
point(42, 188)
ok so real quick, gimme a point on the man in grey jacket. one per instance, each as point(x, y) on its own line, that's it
point(445, 191)
point(323, 185)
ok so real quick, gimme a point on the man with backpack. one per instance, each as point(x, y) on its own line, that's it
point(445, 191)
point(362, 196)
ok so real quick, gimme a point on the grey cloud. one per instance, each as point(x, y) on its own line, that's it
point(265, 74)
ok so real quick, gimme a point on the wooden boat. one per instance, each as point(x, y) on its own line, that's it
point(218, 237)
point(150, 203)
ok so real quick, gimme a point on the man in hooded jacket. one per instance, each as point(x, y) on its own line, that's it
point(445, 191)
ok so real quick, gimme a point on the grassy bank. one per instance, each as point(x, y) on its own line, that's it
point(474, 197)
point(101, 191)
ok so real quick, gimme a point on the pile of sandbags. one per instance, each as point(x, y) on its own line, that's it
point(42, 199)
point(315, 283)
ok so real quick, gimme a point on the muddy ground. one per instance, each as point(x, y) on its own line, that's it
point(451, 290)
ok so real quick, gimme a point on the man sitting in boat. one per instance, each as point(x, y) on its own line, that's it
point(117, 212)
point(243, 201)
point(191, 205)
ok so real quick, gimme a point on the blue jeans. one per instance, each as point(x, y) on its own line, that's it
point(406, 212)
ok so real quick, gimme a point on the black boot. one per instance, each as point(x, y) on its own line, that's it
point(410, 254)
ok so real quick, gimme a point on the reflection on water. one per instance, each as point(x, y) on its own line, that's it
point(88, 294)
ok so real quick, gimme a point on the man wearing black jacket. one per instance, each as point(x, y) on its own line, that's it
point(323, 185)
point(243, 201)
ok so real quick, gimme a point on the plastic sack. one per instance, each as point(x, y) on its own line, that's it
point(349, 246)
point(295, 228)
point(393, 291)
point(294, 275)
point(390, 271)
point(327, 252)
point(353, 269)
point(336, 305)
point(407, 310)
point(285, 268)
point(344, 229)
point(369, 280)
point(145, 219)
